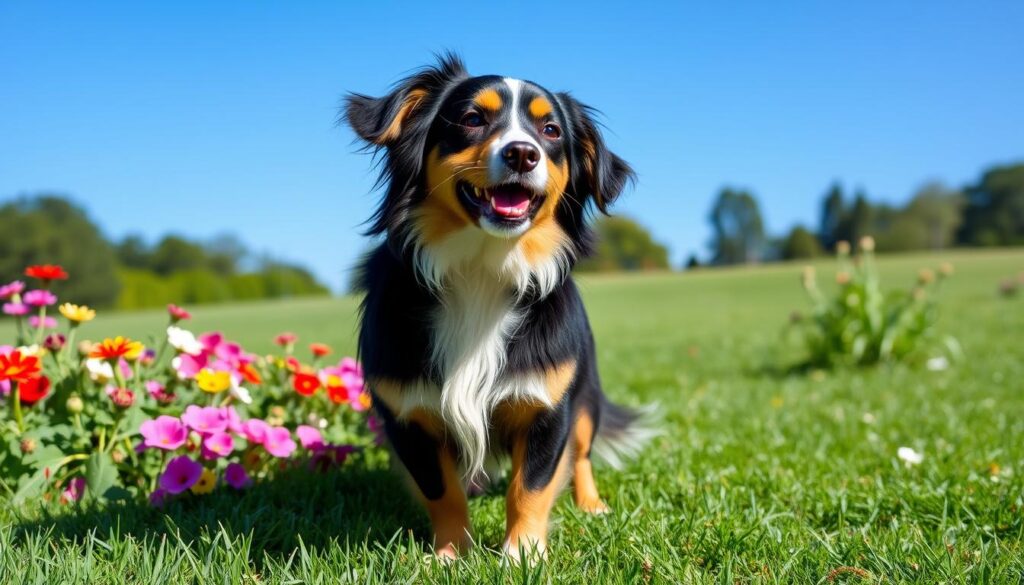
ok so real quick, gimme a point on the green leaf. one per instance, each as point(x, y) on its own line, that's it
point(100, 474)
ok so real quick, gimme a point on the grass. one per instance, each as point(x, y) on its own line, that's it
point(761, 476)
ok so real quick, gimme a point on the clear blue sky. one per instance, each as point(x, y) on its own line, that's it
point(201, 117)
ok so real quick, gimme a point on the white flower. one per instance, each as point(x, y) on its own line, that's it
point(937, 364)
point(240, 392)
point(99, 370)
point(909, 456)
point(183, 340)
point(31, 350)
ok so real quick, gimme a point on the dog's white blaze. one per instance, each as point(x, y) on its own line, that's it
point(497, 171)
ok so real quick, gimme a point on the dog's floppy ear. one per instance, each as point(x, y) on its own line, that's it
point(596, 171)
point(382, 121)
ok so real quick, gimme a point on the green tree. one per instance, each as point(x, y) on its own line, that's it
point(994, 215)
point(739, 234)
point(175, 254)
point(940, 212)
point(624, 244)
point(801, 243)
point(833, 209)
point(132, 252)
point(48, 229)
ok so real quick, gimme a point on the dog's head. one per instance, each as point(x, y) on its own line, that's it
point(472, 164)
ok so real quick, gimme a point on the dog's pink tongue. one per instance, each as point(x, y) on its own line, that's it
point(510, 204)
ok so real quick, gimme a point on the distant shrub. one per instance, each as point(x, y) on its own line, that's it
point(248, 286)
point(863, 325)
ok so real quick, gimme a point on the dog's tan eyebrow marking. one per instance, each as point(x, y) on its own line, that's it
point(539, 107)
point(488, 99)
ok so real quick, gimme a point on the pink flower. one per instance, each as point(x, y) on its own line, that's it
point(187, 366)
point(16, 309)
point(205, 420)
point(181, 473)
point(159, 393)
point(218, 444)
point(12, 288)
point(236, 476)
point(255, 431)
point(159, 497)
point(166, 432)
point(121, 397)
point(54, 341)
point(73, 492)
point(39, 298)
point(279, 442)
point(48, 323)
point(234, 422)
point(309, 437)
point(177, 313)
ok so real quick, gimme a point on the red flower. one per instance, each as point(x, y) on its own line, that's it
point(285, 339)
point(337, 394)
point(33, 390)
point(306, 384)
point(46, 272)
point(177, 313)
point(14, 366)
point(319, 349)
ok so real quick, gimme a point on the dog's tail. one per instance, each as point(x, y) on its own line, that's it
point(623, 432)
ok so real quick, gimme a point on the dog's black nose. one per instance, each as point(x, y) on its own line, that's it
point(521, 157)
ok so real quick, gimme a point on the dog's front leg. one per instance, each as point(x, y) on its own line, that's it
point(419, 444)
point(540, 466)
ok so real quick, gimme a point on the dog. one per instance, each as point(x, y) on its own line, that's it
point(474, 341)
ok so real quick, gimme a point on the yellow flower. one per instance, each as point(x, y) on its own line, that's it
point(207, 481)
point(212, 381)
point(77, 313)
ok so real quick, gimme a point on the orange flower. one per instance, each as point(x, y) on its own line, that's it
point(118, 347)
point(306, 384)
point(46, 272)
point(319, 349)
point(250, 374)
point(19, 368)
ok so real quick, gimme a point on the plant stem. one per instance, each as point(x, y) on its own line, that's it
point(42, 324)
point(21, 330)
point(16, 405)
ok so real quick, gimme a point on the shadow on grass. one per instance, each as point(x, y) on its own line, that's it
point(357, 503)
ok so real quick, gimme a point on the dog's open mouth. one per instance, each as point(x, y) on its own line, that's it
point(509, 204)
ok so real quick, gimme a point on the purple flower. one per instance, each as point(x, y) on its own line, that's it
point(310, 438)
point(181, 474)
point(15, 309)
point(39, 298)
point(218, 444)
point(204, 420)
point(54, 341)
point(166, 432)
point(236, 476)
point(73, 492)
point(279, 442)
point(159, 498)
point(35, 322)
point(330, 456)
point(12, 288)
point(255, 431)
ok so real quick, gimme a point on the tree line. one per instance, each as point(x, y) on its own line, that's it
point(134, 273)
point(988, 212)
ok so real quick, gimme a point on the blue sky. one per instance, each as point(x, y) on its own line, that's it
point(201, 118)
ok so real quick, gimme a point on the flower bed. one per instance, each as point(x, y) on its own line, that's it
point(194, 413)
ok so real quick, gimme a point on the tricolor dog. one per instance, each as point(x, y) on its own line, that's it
point(474, 340)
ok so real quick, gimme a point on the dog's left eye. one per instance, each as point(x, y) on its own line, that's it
point(552, 131)
point(472, 120)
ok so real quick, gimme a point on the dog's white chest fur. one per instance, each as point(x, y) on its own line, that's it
point(471, 329)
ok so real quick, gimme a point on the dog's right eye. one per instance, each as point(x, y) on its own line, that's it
point(472, 120)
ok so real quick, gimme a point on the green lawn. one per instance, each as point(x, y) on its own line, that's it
point(760, 476)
